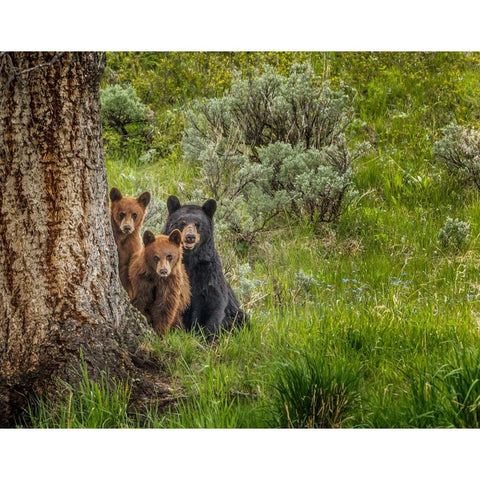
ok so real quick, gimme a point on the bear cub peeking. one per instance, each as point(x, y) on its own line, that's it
point(160, 286)
point(126, 215)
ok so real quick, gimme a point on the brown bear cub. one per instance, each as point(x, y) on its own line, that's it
point(160, 286)
point(127, 214)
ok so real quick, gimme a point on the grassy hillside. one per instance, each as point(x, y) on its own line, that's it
point(366, 322)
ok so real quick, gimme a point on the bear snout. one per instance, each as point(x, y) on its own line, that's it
point(127, 229)
point(163, 272)
point(190, 238)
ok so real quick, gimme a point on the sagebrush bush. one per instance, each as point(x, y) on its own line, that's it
point(246, 284)
point(274, 144)
point(454, 233)
point(305, 283)
point(122, 110)
point(459, 151)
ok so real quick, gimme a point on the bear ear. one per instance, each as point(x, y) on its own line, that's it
point(148, 237)
point(175, 237)
point(115, 194)
point(144, 199)
point(173, 204)
point(209, 207)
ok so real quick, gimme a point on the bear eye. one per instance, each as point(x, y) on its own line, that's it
point(197, 224)
point(183, 223)
point(156, 259)
point(169, 257)
point(134, 216)
point(121, 215)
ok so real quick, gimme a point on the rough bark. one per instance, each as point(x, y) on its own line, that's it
point(59, 288)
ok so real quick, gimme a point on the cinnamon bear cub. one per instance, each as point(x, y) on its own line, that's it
point(160, 286)
point(127, 214)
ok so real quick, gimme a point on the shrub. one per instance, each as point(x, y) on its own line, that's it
point(274, 144)
point(454, 233)
point(123, 111)
point(459, 150)
point(304, 281)
point(246, 285)
point(306, 182)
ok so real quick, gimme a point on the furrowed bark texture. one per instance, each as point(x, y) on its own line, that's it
point(59, 287)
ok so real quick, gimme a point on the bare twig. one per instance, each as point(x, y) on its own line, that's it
point(7, 66)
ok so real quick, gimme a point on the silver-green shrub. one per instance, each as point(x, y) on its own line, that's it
point(305, 282)
point(121, 107)
point(246, 284)
point(459, 150)
point(274, 145)
point(454, 233)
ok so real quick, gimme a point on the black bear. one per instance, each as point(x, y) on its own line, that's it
point(213, 305)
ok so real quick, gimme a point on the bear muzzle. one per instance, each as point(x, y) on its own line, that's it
point(190, 241)
point(163, 271)
point(190, 237)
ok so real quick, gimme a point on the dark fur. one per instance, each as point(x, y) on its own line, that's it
point(213, 304)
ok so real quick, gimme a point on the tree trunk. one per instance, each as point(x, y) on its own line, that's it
point(60, 293)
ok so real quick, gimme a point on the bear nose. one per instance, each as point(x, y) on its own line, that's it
point(190, 237)
point(163, 272)
point(127, 228)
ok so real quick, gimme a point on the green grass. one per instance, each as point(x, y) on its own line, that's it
point(314, 392)
point(92, 404)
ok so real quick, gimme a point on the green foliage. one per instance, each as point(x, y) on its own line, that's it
point(91, 404)
point(314, 392)
point(309, 183)
point(121, 106)
point(274, 144)
point(127, 121)
point(462, 383)
point(404, 98)
point(459, 151)
point(447, 397)
point(454, 233)
point(214, 405)
point(169, 79)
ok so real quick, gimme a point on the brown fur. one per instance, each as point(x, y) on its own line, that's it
point(126, 215)
point(161, 290)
